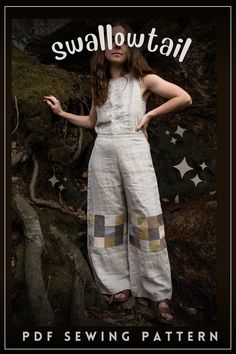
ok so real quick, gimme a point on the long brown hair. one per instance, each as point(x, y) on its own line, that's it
point(136, 64)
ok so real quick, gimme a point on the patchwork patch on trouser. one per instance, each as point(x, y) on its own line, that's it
point(147, 232)
point(106, 231)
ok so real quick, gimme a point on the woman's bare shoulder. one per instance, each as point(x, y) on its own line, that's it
point(147, 82)
point(149, 79)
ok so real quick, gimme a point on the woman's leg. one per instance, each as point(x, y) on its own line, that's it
point(150, 274)
point(107, 220)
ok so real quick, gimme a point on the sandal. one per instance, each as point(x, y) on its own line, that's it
point(113, 297)
point(159, 311)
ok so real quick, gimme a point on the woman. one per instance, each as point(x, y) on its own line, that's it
point(126, 237)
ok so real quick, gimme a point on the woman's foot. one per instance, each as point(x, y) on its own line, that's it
point(164, 312)
point(118, 297)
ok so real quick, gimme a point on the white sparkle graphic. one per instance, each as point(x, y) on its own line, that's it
point(65, 179)
point(183, 167)
point(173, 140)
point(196, 180)
point(53, 180)
point(61, 187)
point(203, 165)
point(180, 131)
point(167, 132)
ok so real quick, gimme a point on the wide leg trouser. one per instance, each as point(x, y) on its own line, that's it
point(126, 235)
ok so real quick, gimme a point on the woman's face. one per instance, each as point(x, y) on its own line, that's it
point(118, 54)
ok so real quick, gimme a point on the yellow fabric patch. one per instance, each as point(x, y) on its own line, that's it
point(142, 221)
point(143, 234)
point(155, 245)
point(120, 219)
point(109, 241)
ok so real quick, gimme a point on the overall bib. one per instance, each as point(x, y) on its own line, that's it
point(126, 236)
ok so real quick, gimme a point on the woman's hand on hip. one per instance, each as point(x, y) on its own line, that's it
point(54, 104)
point(143, 124)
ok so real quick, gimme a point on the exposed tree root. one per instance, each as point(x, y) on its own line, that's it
point(21, 156)
point(37, 296)
point(17, 116)
point(83, 283)
point(42, 202)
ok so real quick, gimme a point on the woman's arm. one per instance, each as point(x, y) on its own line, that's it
point(176, 96)
point(83, 121)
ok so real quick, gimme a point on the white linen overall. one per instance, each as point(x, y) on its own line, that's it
point(126, 236)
